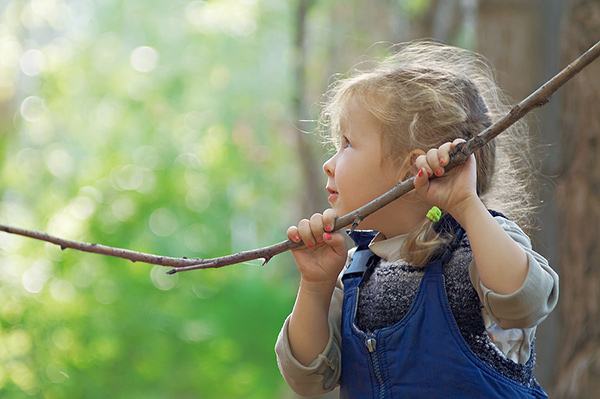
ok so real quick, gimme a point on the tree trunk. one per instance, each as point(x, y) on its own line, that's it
point(578, 195)
point(308, 156)
point(519, 37)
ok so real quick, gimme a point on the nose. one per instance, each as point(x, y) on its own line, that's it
point(329, 166)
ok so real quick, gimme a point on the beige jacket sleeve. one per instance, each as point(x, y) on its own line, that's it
point(323, 374)
point(530, 304)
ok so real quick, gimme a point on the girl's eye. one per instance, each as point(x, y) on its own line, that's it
point(345, 142)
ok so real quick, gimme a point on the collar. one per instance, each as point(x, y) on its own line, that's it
point(386, 248)
point(362, 238)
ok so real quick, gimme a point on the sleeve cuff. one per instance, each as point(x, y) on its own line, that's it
point(319, 377)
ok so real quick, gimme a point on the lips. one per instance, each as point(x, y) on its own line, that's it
point(332, 195)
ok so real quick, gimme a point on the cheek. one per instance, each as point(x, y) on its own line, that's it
point(359, 185)
point(344, 183)
point(348, 182)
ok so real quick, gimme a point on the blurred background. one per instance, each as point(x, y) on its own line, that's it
point(186, 128)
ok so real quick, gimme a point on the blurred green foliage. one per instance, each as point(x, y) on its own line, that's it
point(166, 127)
point(158, 126)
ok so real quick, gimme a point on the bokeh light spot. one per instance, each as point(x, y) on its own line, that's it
point(36, 277)
point(32, 62)
point(144, 59)
point(32, 109)
point(62, 291)
point(162, 280)
point(128, 177)
point(123, 209)
point(163, 222)
point(59, 162)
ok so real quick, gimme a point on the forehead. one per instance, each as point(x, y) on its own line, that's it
point(354, 117)
point(349, 112)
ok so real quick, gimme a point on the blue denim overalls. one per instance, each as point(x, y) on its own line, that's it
point(423, 355)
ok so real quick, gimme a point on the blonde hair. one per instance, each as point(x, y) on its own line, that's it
point(424, 95)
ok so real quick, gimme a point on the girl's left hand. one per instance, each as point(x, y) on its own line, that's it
point(456, 189)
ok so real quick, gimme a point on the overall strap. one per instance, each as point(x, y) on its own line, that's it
point(362, 258)
point(359, 264)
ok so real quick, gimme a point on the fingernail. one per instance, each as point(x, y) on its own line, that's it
point(442, 160)
point(297, 238)
point(438, 172)
point(327, 236)
point(328, 227)
point(310, 245)
point(421, 173)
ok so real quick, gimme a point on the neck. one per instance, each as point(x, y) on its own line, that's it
point(399, 217)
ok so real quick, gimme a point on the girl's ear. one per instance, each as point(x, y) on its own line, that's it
point(414, 154)
point(409, 169)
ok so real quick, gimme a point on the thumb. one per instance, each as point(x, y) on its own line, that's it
point(421, 182)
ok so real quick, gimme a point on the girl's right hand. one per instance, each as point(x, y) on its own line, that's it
point(324, 253)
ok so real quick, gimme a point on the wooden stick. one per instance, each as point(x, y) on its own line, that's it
point(458, 155)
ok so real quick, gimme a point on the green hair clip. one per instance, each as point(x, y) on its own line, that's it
point(434, 214)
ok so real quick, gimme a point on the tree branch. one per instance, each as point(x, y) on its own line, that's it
point(458, 155)
point(101, 249)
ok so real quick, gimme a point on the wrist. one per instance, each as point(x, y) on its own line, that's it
point(469, 211)
point(323, 289)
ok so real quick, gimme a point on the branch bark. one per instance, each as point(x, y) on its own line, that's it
point(458, 155)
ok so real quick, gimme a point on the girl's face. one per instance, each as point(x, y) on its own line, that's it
point(358, 172)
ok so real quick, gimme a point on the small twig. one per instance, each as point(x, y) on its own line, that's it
point(458, 155)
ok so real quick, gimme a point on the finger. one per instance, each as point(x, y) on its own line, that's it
point(421, 164)
point(293, 234)
point(444, 154)
point(316, 226)
point(421, 181)
point(433, 161)
point(329, 218)
point(458, 141)
point(305, 233)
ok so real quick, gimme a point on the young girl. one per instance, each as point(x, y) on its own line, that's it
point(441, 296)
